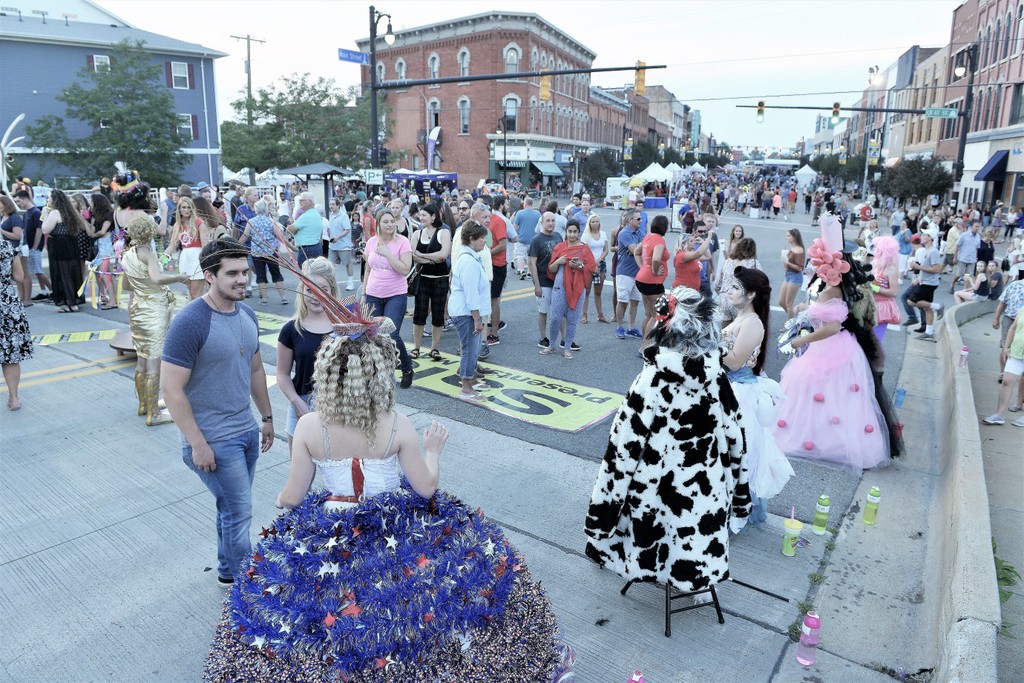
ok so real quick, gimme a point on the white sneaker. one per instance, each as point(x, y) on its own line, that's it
point(995, 419)
point(350, 286)
point(1019, 422)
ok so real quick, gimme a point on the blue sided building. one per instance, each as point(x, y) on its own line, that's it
point(44, 45)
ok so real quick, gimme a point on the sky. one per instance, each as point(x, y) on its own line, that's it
point(718, 53)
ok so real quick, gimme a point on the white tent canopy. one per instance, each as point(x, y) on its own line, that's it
point(673, 167)
point(654, 173)
point(697, 168)
point(806, 174)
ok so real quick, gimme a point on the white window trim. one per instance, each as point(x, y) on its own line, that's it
point(463, 53)
point(469, 106)
point(382, 71)
point(400, 69)
point(434, 57)
point(175, 76)
point(100, 59)
point(504, 56)
point(185, 120)
point(434, 106)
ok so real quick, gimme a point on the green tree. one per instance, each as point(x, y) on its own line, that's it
point(671, 155)
point(644, 153)
point(597, 167)
point(130, 113)
point(916, 178)
point(300, 121)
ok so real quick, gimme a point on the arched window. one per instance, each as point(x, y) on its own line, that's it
point(983, 47)
point(511, 55)
point(997, 96)
point(463, 59)
point(463, 115)
point(433, 66)
point(510, 105)
point(400, 69)
point(1019, 45)
point(381, 71)
point(981, 116)
point(550, 116)
point(997, 41)
point(533, 114)
point(434, 112)
point(1008, 36)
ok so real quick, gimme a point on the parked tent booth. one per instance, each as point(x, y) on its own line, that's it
point(325, 172)
point(424, 182)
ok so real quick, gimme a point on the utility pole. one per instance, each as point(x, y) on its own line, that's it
point(249, 40)
point(966, 67)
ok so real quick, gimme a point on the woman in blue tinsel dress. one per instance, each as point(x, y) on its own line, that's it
point(381, 577)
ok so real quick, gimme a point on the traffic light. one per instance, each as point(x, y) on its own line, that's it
point(383, 156)
point(545, 87)
point(835, 113)
point(639, 81)
point(760, 111)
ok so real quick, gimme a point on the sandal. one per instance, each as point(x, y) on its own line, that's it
point(415, 353)
point(583, 320)
point(435, 355)
point(602, 319)
point(472, 397)
point(567, 355)
point(547, 351)
point(1015, 409)
point(108, 308)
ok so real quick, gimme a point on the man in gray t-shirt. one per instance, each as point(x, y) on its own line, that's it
point(927, 264)
point(211, 367)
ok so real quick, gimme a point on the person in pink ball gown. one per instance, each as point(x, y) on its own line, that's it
point(830, 413)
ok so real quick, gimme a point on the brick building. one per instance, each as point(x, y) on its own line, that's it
point(538, 139)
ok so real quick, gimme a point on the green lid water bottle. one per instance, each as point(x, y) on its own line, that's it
point(820, 521)
point(871, 506)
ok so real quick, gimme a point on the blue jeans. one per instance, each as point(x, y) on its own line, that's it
point(231, 486)
point(469, 340)
point(560, 309)
point(393, 307)
point(907, 308)
point(310, 251)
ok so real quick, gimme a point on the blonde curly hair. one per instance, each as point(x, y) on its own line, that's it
point(314, 267)
point(354, 380)
point(141, 229)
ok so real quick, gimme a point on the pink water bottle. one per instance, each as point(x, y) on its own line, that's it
point(637, 677)
point(965, 353)
point(808, 646)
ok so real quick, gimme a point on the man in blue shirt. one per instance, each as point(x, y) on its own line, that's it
point(525, 222)
point(626, 270)
point(33, 239)
point(308, 229)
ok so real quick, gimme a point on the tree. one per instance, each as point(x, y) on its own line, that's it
point(644, 154)
point(598, 166)
point(301, 121)
point(131, 115)
point(916, 178)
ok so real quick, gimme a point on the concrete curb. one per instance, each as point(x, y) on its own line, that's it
point(969, 612)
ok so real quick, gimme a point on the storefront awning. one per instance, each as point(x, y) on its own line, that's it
point(995, 169)
point(547, 168)
point(511, 164)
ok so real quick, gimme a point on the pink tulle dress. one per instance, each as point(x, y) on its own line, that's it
point(830, 413)
point(888, 309)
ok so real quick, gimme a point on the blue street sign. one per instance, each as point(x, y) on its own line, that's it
point(353, 56)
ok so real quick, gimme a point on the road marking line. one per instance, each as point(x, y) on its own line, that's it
point(73, 375)
point(68, 337)
point(71, 366)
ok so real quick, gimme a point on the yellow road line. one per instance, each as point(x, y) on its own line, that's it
point(72, 366)
point(72, 375)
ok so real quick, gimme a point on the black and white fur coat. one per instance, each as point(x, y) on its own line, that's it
point(674, 473)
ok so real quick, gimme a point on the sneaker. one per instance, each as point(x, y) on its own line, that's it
point(427, 332)
point(502, 325)
point(911, 321)
point(448, 324)
point(406, 379)
point(485, 351)
point(996, 419)
point(492, 340)
point(925, 336)
point(350, 286)
point(635, 333)
point(620, 333)
point(572, 347)
point(544, 343)
point(939, 311)
point(920, 328)
point(225, 582)
point(1019, 422)
point(472, 397)
point(40, 297)
point(523, 274)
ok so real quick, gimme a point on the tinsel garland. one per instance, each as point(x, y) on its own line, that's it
point(385, 581)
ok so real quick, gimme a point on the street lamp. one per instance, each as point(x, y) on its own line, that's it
point(966, 66)
point(389, 38)
point(503, 122)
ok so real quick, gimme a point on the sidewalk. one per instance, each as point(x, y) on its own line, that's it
point(1003, 449)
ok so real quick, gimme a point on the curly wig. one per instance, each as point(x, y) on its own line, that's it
point(688, 322)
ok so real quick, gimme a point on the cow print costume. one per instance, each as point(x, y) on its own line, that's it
point(674, 474)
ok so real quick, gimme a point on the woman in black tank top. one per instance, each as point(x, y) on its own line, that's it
point(431, 247)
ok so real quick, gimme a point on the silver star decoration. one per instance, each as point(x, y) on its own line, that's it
point(329, 568)
point(391, 542)
point(285, 627)
point(258, 642)
point(489, 547)
point(301, 549)
point(331, 543)
point(464, 641)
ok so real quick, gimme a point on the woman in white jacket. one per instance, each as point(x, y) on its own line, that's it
point(469, 302)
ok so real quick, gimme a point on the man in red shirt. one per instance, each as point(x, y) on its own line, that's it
point(498, 226)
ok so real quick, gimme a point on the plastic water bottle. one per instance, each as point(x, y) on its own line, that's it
point(637, 677)
point(808, 646)
point(820, 521)
point(871, 506)
point(965, 353)
point(900, 397)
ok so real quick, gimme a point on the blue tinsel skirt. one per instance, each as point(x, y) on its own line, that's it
point(397, 588)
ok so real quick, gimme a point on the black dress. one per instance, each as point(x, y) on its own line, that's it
point(65, 266)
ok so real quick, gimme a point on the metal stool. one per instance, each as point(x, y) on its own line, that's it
point(669, 598)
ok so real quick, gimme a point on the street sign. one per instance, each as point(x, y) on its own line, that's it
point(941, 112)
point(358, 57)
point(874, 152)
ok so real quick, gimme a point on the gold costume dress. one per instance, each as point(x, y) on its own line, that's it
point(151, 309)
